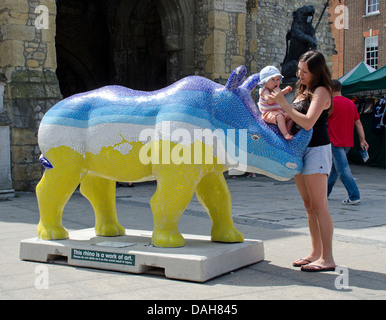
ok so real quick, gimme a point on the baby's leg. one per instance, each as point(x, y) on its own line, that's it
point(281, 123)
point(290, 124)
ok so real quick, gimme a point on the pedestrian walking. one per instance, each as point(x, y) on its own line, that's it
point(341, 131)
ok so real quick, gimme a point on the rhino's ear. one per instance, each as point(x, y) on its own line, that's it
point(251, 82)
point(236, 78)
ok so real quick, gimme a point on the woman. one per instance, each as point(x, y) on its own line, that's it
point(310, 110)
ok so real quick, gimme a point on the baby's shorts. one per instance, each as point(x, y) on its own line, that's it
point(317, 160)
point(270, 116)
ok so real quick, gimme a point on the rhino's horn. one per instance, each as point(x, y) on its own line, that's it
point(251, 82)
point(236, 78)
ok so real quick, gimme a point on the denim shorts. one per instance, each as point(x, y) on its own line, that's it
point(317, 160)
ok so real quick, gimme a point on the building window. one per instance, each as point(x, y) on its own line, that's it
point(371, 51)
point(372, 6)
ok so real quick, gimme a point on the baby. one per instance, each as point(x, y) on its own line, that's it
point(270, 78)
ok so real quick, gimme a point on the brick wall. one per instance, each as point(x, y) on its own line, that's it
point(359, 27)
point(337, 16)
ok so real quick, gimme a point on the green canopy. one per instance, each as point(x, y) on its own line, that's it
point(361, 69)
point(373, 81)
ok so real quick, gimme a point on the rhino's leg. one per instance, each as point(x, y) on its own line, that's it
point(214, 196)
point(175, 189)
point(55, 189)
point(101, 194)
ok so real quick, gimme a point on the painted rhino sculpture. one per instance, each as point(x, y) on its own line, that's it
point(183, 136)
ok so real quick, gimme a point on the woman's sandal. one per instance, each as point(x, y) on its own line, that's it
point(316, 268)
point(301, 262)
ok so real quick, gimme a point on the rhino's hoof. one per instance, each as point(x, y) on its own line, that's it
point(165, 239)
point(110, 230)
point(52, 233)
point(227, 235)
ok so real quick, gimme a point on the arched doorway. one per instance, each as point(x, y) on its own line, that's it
point(82, 54)
point(101, 42)
point(138, 49)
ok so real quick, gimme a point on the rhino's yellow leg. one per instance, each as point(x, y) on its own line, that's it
point(101, 194)
point(55, 189)
point(213, 194)
point(175, 189)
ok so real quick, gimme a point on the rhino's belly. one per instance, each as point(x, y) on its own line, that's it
point(91, 139)
point(110, 163)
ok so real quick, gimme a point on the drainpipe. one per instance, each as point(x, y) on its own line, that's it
point(6, 190)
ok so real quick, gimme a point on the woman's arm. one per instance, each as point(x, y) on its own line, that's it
point(321, 100)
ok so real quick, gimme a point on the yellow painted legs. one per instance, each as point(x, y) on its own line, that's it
point(55, 189)
point(213, 194)
point(57, 186)
point(101, 194)
point(175, 189)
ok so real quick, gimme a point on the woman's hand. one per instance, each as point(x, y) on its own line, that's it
point(278, 95)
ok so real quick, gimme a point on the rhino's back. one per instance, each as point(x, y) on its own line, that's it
point(112, 114)
point(117, 104)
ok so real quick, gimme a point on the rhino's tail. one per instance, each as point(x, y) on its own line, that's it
point(45, 163)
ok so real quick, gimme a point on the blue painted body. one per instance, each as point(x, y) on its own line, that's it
point(195, 101)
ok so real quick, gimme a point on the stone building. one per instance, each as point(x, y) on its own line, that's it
point(51, 49)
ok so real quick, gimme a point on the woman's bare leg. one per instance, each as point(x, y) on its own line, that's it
point(313, 190)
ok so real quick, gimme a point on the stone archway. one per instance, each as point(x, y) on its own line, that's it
point(102, 42)
point(137, 50)
point(177, 18)
point(82, 53)
point(174, 32)
point(141, 44)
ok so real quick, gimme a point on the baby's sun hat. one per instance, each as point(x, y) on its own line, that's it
point(267, 73)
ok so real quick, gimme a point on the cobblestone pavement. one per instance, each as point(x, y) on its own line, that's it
point(263, 209)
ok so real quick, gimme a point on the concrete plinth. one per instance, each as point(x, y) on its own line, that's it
point(199, 260)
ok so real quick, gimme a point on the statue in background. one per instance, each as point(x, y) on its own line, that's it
point(301, 38)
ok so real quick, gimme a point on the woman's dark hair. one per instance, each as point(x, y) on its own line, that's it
point(321, 75)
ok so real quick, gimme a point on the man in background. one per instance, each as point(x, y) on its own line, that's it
point(341, 131)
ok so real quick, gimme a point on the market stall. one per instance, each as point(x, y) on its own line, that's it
point(369, 95)
point(370, 82)
point(360, 70)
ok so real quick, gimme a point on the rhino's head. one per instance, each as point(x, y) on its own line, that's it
point(251, 144)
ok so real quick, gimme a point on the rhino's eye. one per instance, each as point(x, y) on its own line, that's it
point(255, 137)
